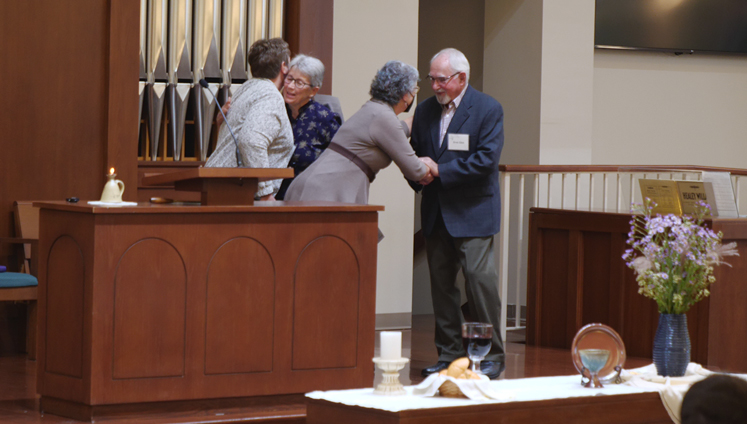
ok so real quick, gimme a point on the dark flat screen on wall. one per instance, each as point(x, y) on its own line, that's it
point(688, 26)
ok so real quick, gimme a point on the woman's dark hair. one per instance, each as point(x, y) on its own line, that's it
point(393, 81)
point(267, 56)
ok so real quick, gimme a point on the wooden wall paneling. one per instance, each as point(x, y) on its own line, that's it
point(150, 314)
point(574, 287)
point(292, 24)
point(309, 30)
point(726, 302)
point(555, 271)
point(63, 312)
point(70, 104)
point(617, 269)
point(643, 318)
point(122, 100)
point(596, 281)
point(241, 287)
point(65, 293)
point(534, 280)
point(325, 259)
point(697, 327)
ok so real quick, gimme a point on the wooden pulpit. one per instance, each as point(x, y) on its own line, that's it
point(220, 186)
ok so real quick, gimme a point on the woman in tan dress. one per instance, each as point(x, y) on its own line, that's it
point(366, 143)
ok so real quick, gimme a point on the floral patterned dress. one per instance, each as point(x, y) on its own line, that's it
point(312, 132)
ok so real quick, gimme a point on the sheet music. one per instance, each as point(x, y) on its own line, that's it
point(726, 203)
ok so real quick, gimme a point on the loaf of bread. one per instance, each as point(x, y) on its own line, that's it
point(460, 369)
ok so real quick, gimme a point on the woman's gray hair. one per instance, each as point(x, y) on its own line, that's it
point(457, 60)
point(393, 81)
point(311, 67)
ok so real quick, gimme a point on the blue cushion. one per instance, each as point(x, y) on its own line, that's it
point(17, 279)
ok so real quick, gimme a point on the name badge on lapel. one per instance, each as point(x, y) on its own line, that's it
point(459, 142)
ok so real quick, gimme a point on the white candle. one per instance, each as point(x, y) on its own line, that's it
point(391, 345)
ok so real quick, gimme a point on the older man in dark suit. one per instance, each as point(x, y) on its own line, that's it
point(461, 130)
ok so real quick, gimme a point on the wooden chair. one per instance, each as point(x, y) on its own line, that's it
point(23, 286)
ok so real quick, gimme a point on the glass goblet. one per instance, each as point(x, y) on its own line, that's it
point(477, 339)
point(594, 360)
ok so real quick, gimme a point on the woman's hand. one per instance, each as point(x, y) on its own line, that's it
point(408, 121)
point(432, 170)
point(219, 118)
point(433, 166)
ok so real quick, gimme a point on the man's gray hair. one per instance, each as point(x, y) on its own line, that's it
point(311, 67)
point(457, 60)
point(393, 81)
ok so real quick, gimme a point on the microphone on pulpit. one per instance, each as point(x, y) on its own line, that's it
point(239, 162)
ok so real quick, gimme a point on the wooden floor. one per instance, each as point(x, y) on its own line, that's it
point(19, 404)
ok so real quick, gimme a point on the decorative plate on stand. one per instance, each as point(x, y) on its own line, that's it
point(600, 336)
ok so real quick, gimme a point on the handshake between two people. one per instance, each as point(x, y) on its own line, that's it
point(432, 171)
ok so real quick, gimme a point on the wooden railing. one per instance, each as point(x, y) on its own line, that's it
point(609, 188)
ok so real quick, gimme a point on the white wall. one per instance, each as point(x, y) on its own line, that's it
point(567, 82)
point(658, 108)
point(512, 74)
point(367, 34)
point(465, 33)
point(539, 58)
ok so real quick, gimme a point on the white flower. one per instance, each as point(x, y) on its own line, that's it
point(642, 264)
point(716, 253)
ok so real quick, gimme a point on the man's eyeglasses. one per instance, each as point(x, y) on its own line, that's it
point(298, 82)
point(441, 80)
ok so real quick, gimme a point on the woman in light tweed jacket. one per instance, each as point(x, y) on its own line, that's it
point(258, 117)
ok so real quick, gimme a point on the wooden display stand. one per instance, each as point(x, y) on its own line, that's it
point(577, 276)
point(146, 306)
point(220, 186)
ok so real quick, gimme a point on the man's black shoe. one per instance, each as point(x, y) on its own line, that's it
point(440, 365)
point(492, 369)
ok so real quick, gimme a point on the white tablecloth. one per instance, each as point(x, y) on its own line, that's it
point(523, 389)
point(639, 380)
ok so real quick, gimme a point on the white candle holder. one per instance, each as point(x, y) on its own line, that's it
point(390, 385)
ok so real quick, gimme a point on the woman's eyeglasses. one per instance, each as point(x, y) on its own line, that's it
point(298, 82)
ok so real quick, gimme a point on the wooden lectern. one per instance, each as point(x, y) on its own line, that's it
point(220, 186)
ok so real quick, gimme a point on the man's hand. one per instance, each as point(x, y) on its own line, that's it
point(219, 118)
point(269, 197)
point(427, 179)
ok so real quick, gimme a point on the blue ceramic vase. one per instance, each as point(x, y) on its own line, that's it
point(672, 345)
